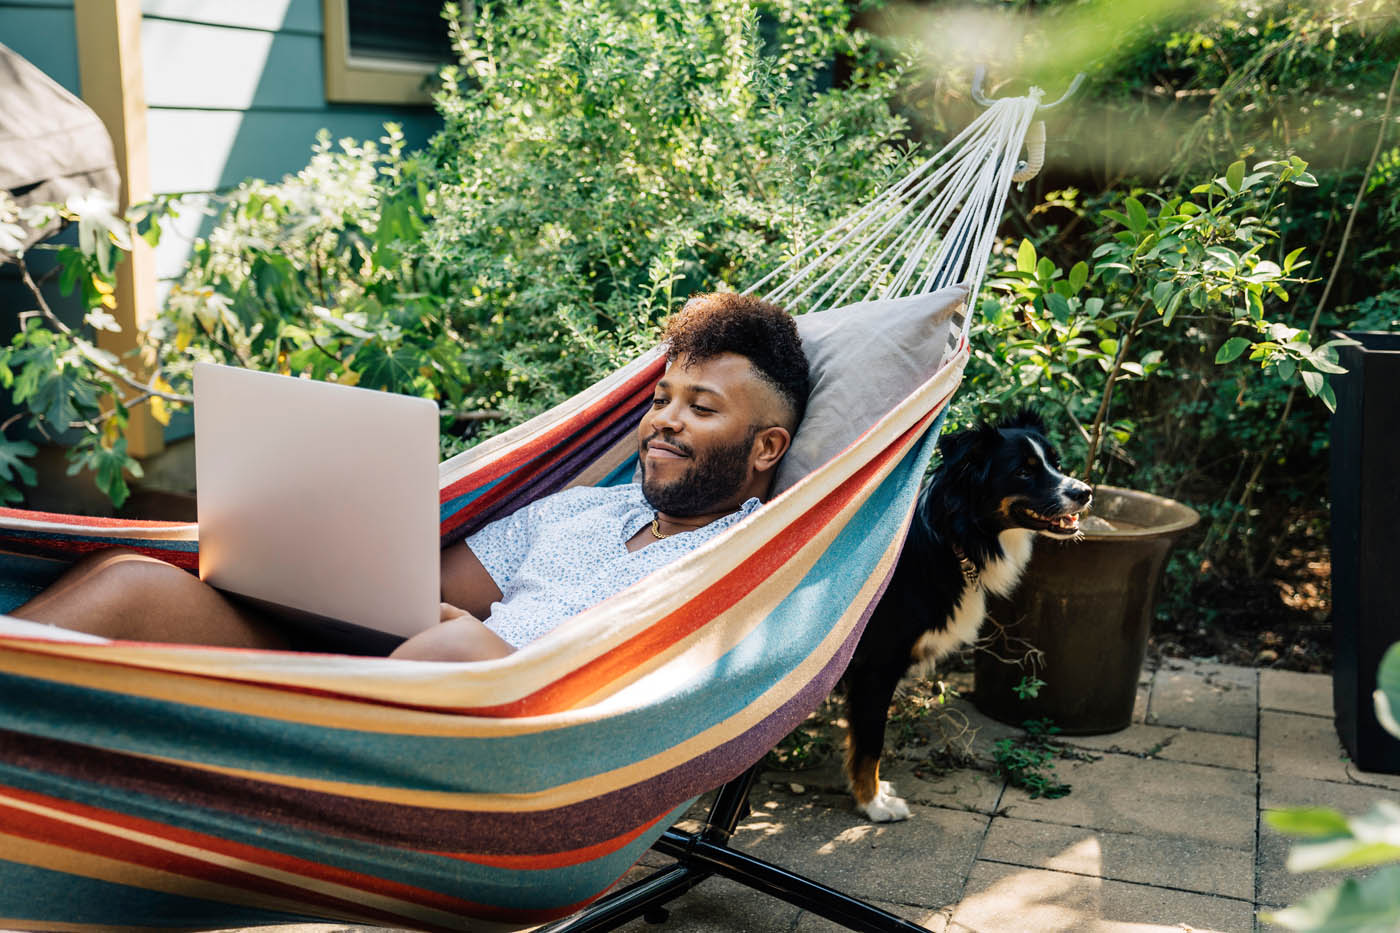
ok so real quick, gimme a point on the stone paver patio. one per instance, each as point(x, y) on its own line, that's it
point(1160, 832)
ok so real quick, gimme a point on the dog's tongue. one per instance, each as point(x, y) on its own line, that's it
point(1068, 522)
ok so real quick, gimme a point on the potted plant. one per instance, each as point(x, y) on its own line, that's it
point(1067, 341)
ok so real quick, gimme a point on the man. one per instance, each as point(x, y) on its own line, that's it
point(720, 421)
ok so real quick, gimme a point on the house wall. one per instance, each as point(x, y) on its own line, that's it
point(234, 89)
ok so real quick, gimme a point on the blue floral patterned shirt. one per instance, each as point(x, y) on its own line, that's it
point(564, 553)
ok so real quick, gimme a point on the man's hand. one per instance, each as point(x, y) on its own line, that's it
point(460, 636)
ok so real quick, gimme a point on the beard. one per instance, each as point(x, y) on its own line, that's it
point(712, 478)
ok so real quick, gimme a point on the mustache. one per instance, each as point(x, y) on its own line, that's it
point(669, 441)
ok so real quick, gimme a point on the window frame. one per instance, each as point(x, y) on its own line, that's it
point(360, 79)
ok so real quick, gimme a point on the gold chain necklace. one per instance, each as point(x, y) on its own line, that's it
point(656, 528)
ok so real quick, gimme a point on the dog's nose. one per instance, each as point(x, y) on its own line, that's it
point(1080, 493)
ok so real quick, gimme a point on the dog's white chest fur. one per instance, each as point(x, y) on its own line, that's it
point(999, 577)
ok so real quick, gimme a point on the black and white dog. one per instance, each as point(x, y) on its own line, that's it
point(995, 488)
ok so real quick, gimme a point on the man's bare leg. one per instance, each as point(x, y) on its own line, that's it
point(123, 594)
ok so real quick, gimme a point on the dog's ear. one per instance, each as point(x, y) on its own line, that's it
point(957, 451)
point(1025, 418)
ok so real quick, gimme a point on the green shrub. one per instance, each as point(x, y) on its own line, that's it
point(599, 161)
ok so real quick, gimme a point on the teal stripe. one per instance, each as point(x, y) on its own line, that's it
point(521, 763)
point(509, 888)
point(28, 893)
point(157, 543)
point(24, 576)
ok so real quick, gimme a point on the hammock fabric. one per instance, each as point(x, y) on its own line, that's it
point(173, 786)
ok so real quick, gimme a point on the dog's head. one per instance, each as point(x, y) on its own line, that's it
point(1009, 473)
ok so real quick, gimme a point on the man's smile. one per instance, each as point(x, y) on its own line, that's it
point(660, 450)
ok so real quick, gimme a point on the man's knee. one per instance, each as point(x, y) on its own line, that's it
point(124, 575)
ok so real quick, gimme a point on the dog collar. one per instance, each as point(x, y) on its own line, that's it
point(971, 575)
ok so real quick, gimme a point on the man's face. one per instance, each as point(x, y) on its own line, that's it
point(697, 440)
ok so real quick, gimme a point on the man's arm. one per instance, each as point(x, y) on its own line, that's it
point(466, 583)
point(459, 637)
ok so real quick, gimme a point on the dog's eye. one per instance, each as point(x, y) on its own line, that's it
point(1024, 472)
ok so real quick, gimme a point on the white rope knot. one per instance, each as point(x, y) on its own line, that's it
point(1035, 152)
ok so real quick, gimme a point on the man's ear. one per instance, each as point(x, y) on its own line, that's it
point(769, 445)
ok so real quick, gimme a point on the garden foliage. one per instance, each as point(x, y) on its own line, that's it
point(599, 161)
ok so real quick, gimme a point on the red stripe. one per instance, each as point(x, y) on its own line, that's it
point(528, 450)
point(93, 521)
point(185, 560)
point(52, 831)
point(583, 681)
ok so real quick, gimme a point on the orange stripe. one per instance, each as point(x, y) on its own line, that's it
point(588, 679)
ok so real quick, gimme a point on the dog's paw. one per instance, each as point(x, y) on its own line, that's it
point(885, 807)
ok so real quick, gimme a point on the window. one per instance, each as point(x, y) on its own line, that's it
point(382, 51)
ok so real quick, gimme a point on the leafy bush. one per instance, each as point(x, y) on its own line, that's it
point(59, 378)
point(599, 161)
point(1198, 263)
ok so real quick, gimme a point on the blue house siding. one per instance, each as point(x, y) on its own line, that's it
point(235, 91)
point(42, 31)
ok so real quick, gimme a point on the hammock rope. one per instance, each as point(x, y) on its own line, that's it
point(148, 786)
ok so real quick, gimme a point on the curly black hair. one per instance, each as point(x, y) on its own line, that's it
point(760, 331)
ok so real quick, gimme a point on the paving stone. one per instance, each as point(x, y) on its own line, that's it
point(1373, 778)
point(1173, 744)
point(1205, 696)
point(978, 736)
point(1277, 886)
point(1134, 795)
point(1300, 746)
point(963, 789)
point(1296, 692)
point(1138, 739)
point(926, 917)
point(921, 861)
point(1167, 860)
point(720, 905)
point(915, 781)
point(1008, 899)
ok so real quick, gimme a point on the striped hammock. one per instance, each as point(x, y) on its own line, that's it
point(175, 786)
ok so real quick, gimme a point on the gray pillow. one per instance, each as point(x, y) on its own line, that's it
point(865, 359)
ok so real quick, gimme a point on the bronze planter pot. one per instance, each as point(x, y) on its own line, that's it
point(1087, 605)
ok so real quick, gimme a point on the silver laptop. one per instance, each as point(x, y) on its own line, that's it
point(318, 503)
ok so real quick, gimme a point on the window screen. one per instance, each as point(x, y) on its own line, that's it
point(407, 30)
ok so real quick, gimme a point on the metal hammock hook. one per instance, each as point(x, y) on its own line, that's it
point(1026, 169)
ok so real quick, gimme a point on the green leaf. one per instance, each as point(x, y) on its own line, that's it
point(1291, 259)
point(1078, 275)
point(1387, 694)
point(393, 368)
point(11, 464)
point(1059, 307)
point(1231, 349)
point(1045, 269)
point(1093, 306)
point(1234, 176)
point(1371, 905)
point(1172, 305)
point(1319, 822)
point(1137, 215)
point(1025, 257)
point(1312, 381)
